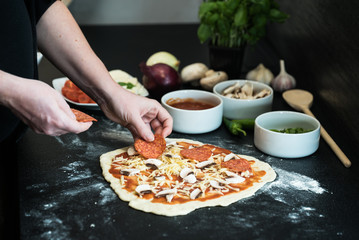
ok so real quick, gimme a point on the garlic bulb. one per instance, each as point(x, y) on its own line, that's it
point(283, 81)
point(260, 74)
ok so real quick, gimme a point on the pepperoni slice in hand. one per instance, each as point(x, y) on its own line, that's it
point(237, 165)
point(151, 149)
point(199, 153)
point(82, 117)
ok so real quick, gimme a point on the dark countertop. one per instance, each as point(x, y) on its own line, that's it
point(63, 194)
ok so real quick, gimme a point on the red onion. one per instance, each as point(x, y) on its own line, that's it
point(159, 79)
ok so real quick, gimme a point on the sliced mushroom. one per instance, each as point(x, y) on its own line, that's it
point(190, 178)
point(247, 89)
point(244, 92)
point(216, 184)
point(231, 89)
point(143, 189)
point(168, 193)
point(171, 142)
point(233, 178)
point(185, 172)
point(246, 174)
point(230, 157)
point(169, 197)
point(129, 172)
point(160, 178)
point(153, 163)
point(131, 151)
point(188, 175)
point(261, 94)
point(195, 193)
point(205, 164)
point(231, 174)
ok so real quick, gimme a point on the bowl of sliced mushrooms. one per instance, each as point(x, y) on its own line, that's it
point(244, 99)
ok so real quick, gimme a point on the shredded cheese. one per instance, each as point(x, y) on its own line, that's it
point(167, 175)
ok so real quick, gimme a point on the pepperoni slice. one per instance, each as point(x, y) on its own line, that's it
point(70, 85)
point(199, 153)
point(82, 117)
point(237, 165)
point(151, 149)
point(84, 98)
point(217, 150)
point(72, 92)
point(186, 144)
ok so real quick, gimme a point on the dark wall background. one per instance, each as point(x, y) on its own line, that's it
point(320, 45)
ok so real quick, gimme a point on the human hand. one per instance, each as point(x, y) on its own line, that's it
point(88, 72)
point(138, 114)
point(43, 109)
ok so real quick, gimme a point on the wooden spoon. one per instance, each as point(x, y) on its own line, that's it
point(302, 100)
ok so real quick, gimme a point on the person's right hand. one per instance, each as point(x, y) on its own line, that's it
point(43, 109)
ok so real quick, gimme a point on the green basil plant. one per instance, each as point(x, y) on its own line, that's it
point(234, 23)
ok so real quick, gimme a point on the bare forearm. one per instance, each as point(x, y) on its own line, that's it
point(62, 41)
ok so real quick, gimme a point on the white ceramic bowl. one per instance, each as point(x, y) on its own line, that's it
point(244, 108)
point(195, 121)
point(286, 145)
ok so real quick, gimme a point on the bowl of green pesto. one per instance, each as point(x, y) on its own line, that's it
point(286, 134)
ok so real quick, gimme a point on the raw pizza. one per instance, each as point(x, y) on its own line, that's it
point(176, 176)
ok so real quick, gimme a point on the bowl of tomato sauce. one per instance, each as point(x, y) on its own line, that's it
point(194, 111)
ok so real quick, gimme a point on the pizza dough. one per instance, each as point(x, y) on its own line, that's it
point(147, 205)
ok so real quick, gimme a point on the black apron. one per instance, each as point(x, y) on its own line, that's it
point(18, 48)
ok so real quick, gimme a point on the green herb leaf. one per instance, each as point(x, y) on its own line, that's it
point(127, 85)
point(206, 7)
point(277, 16)
point(213, 19)
point(240, 18)
point(232, 23)
point(223, 27)
point(231, 6)
point(204, 32)
point(292, 130)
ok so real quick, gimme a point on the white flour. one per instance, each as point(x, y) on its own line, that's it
point(288, 182)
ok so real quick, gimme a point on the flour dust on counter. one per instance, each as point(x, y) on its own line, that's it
point(295, 191)
point(79, 177)
point(51, 216)
point(76, 171)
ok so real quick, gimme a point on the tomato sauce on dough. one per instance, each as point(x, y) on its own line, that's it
point(131, 184)
point(189, 104)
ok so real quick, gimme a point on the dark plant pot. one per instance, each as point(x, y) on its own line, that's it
point(227, 59)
